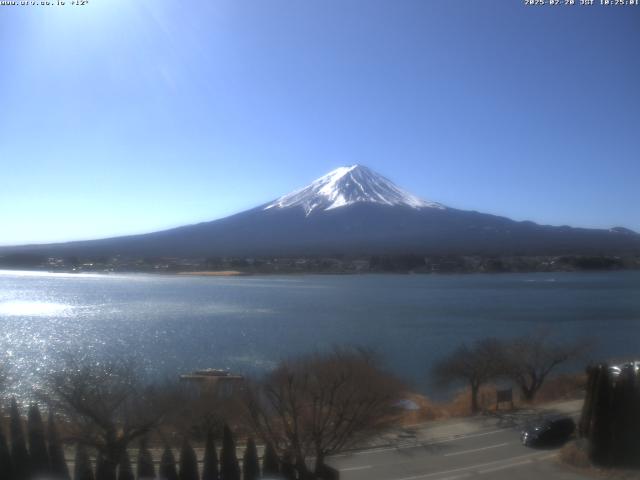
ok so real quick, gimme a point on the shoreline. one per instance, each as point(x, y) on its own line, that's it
point(239, 273)
point(214, 273)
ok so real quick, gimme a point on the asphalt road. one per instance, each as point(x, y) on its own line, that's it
point(489, 453)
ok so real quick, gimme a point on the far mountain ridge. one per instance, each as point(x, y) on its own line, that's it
point(356, 211)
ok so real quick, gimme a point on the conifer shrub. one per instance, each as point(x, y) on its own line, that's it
point(6, 470)
point(125, 470)
point(82, 470)
point(250, 464)
point(230, 469)
point(101, 468)
point(188, 462)
point(19, 453)
point(168, 470)
point(288, 469)
point(38, 454)
point(270, 462)
point(58, 465)
point(611, 415)
point(146, 469)
point(210, 469)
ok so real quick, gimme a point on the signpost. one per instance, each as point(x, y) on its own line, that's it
point(504, 396)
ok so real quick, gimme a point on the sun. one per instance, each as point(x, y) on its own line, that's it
point(85, 20)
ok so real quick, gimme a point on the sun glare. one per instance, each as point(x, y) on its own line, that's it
point(32, 309)
point(95, 19)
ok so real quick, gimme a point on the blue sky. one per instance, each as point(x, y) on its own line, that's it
point(130, 116)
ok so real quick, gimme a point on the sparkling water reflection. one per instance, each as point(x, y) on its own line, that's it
point(33, 309)
point(176, 324)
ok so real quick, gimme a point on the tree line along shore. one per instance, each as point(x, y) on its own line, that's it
point(339, 264)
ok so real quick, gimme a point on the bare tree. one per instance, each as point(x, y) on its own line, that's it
point(475, 364)
point(106, 404)
point(531, 358)
point(318, 405)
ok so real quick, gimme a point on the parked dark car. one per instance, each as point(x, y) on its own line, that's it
point(548, 433)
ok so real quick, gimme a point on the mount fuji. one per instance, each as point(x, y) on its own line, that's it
point(354, 211)
point(346, 186)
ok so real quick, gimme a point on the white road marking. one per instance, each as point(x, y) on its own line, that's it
point(470, 467)
point(517, 464)
point(351, 469)
point(505, 467)
point(453, 454)
point(432, 442)
point(456, 477)
point(471, 435)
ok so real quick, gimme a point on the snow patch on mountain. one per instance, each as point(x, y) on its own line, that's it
point(346, 186)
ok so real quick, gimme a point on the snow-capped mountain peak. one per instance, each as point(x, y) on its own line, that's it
point(346, 186)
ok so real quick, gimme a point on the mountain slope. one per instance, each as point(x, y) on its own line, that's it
point(353, 210)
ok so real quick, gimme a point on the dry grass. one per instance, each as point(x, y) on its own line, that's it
point(575, 456)
point(562, 387)
point(572, 454)
point(558, 388)
point(427, 411)
point(459, 406)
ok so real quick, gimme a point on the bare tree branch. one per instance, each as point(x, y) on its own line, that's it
point(476, 364)
point(531, 358)
point(321, 404)
point(105, 404)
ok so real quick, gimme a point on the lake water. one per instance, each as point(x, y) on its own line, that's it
point(177, 324)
